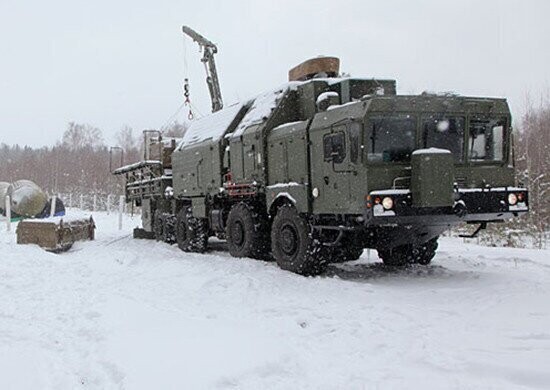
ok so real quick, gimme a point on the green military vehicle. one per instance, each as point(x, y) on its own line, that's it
point(322, 167)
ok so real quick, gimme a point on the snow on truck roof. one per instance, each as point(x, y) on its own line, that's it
point(263, 105)
point(211, 126)
point(214, 126)
point(136, 165)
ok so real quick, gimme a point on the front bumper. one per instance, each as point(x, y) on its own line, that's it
point(471, 205)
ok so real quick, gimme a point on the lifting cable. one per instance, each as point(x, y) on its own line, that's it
point(186, 94)
point(173, 117)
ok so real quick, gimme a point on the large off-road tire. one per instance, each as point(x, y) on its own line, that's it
point(293, 245)
point(191, 232)
point(426, 252)
point(169, 229)
point(341, 254)
point(247, 232)
point(158, 225)
point(408, 254)
point(395, 257)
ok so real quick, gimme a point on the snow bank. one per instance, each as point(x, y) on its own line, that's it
point(136, 314)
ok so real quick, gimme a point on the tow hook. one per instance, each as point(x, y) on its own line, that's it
point(482, 226)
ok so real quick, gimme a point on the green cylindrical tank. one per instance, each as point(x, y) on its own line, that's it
point(3, 191)
point(27, 199)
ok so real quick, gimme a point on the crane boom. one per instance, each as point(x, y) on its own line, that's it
point(208, 49)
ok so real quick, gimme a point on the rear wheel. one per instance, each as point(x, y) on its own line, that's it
point(395, 257)
point(247, 232)
point(158, 225)
point(293, 245)
point(408, 254)
point(169, 229)
point(191, 232)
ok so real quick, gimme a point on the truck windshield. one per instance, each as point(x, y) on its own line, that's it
point(444, 132)
point(486, 139)
point(391, 138)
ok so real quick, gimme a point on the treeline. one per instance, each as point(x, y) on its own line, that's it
point(78, 163)
point(533, 162)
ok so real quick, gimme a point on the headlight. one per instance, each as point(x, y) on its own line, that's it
point(512, 199)
point(387, 203)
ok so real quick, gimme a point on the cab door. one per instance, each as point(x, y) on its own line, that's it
point(332, 171)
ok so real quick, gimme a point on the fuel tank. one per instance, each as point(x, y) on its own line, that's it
point(27, 199)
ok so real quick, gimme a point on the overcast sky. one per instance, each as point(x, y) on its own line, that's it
point(114, 63)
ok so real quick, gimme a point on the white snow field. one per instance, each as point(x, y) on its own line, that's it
point(119, 313)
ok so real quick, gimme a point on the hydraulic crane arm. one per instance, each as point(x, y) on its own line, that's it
point(208, 50)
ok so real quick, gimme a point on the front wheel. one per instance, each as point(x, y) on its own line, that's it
point(293, 245)
point(169, 229)
point(426, 252)
point(158, 225)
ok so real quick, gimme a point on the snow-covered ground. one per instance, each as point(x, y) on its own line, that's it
point(119, 313)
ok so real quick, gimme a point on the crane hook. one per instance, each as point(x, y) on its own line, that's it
point(187, 101)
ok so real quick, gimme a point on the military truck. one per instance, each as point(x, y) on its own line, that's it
point(322, 167)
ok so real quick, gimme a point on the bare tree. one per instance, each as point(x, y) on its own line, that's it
point(533, 157)
point(175, 130)
point(126, 139)
point(129, 143)
point(79, 136)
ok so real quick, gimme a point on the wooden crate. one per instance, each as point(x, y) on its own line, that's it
point(55, 234)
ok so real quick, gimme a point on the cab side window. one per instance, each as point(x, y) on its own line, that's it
point(487, 139)
point(334, 146)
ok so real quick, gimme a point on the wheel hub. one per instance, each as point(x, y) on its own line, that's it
point(237, 233)
point(289, 240)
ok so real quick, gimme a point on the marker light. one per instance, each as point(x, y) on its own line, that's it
point(387, 203)
point(512, 199)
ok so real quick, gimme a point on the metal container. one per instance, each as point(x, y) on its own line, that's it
point(27, 199)
point(3, 192)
